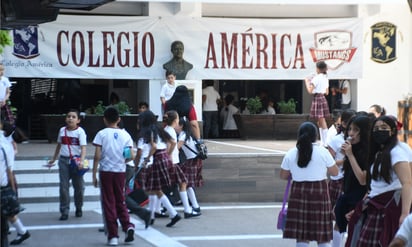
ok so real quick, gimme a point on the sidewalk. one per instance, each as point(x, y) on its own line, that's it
point(220, 225)
point(41, 149)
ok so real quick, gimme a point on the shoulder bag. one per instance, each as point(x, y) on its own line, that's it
point(10, 205)
point(283, 212)
point(75, 160)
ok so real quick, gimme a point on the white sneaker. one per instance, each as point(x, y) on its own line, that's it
point(113, 242)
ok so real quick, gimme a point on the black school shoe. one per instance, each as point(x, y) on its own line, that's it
point(192, 214)
point(129, 235)
point(161, 215)
point(147, 220)
point(20, 238)
point(64, 217)
point(79, 213)
point(174, 220)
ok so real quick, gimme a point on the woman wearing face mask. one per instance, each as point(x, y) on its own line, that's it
point(389, 200)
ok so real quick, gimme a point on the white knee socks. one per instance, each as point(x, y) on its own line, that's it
point(323, 133)
point(192, 197)
point(165, 201)
point(185, 201)
point(19, 226)
point(152, 204)
point(337, 238)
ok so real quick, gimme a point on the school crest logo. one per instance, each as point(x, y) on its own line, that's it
point(383, 42)
point(333, 47)
point(26, 42)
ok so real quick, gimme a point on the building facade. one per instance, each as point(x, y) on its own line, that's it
point(123, 47)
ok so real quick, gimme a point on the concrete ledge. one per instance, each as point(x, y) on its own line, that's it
point(246, 179)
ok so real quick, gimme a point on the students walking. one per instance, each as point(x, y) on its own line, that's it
point(114, 147)
point(175, 172)
point(193, 165)
point(157, 175)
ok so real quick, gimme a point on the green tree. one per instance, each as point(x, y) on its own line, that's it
point(5, 40)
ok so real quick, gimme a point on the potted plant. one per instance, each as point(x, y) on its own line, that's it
point(254, 105)
point(254, 125)
point(122, 107)
point(287, 107)
point(282, 125)
point(288, 121)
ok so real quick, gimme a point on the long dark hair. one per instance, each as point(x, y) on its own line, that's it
point(382, 152)
point(150, 129)
point(180, 101)
point(360, 150)
point(307, 134)
point(186, 127)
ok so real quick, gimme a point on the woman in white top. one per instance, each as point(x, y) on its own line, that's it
point(192, 165)
point(309, 216)
point(389, 200)
point(157, 176)
point(176, 174)
point(319, 87)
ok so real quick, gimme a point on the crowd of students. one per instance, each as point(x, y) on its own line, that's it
point(369, 194)
point(156, 166)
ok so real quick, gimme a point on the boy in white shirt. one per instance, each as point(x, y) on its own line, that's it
point(109, 156)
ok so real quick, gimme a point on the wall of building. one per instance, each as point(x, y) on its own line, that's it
point(386, 83)
point(382, 83)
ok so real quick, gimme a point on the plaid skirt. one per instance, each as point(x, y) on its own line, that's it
point(335, 190)
point(320, 107)
point(192, 168)
point(309, 215)
point(177, 176)
point(381, 221)
point(156, 176)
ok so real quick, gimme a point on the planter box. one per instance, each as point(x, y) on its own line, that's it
point(90, 123)
point(278, 126)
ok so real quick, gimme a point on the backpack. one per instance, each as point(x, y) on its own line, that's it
point(201, 149)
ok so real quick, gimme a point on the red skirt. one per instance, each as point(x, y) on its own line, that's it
point(335, 190)
point(192, 168)
point(380, 223)
point(177, 176)
point(320, 107)
point(157, 176)
point(309, 216)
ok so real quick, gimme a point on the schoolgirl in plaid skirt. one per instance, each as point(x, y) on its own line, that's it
point(157, 175)
point(318, 86)
point(389, 200)
point(192, 166)
point(309, 215)
point(175, 171)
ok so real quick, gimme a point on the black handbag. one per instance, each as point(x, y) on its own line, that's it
point(10, 205)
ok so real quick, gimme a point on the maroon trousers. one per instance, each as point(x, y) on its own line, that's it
point(113, 202)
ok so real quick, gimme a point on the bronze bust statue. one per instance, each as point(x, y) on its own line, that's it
point(177, 64)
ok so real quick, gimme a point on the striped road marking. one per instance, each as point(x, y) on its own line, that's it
point(157, 238)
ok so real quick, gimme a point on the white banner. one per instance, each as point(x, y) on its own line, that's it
point(214, 48)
